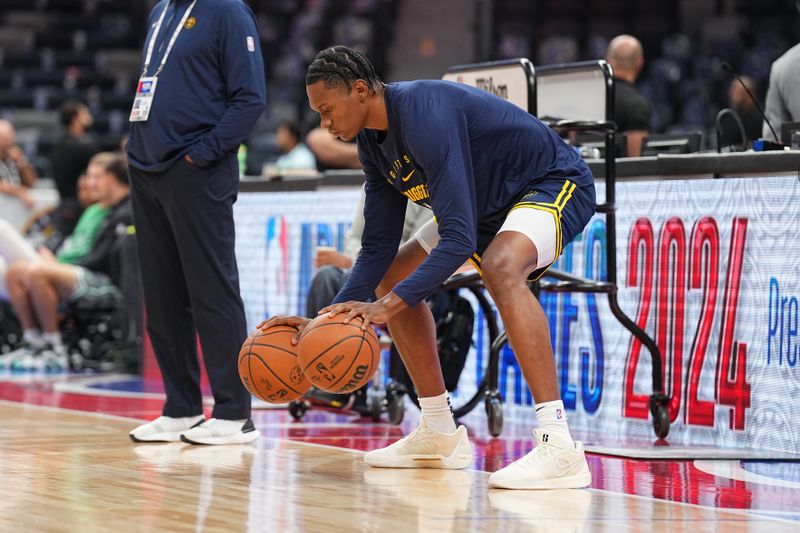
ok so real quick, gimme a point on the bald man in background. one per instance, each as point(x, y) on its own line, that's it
point(631, 109)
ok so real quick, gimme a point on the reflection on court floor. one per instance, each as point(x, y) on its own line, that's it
point(65, 448)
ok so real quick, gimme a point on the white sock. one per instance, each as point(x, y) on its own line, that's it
point(32, 337)
point(53, 339)
point(437, 413)
point(553, 420)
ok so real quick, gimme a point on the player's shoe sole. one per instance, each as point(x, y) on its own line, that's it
point(452, 452)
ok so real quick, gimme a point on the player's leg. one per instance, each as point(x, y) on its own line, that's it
point(413, 330)
point(436, 443)
point(506, 264)
point(530, 240)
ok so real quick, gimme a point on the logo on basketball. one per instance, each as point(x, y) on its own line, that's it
point(268, 366)
point(338, 357)
point(296, 376)
point(278, 397)
point(325, 373)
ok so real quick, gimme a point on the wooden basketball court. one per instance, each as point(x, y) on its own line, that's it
point(68, 465)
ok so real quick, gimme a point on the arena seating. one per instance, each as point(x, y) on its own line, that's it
point(53, 50)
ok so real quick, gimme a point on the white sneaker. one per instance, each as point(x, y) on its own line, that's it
point(218, 431)
point(550, 465)
point(164, 429)
point(425, 448)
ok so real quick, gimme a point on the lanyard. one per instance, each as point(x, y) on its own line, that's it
point(152, 44)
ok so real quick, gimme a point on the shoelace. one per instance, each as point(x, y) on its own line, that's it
point(417, 434)
point(540, 454)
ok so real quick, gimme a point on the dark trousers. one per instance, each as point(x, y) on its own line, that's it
point(185, 233)
point(325, 285)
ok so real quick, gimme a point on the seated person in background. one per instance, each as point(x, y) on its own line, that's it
point(27, 246)
point(330, 151)
point(16, 249)
point(740, 101)
point(334, 266)
point(631, 109)
point(68, 161)
point(17, 175)
point(38, 287)
point(783, 96)
point(45, 227)
point(296, 155)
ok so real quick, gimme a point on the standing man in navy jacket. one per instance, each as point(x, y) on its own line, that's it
point(201, 90)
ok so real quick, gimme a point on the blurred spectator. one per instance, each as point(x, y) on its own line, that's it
point(17, 175)
point(38, 287)
point(332, 152)
point(631, 109)
point(296, 155)
point(16, 248)
point(73, 151)
point(783, 95)
point(46, 227)
point(740, 101)
point(68, 161)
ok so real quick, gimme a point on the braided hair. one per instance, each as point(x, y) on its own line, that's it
point(340, 65)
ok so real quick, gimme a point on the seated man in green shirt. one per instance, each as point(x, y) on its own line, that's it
point(37, 285)
point(15, 248)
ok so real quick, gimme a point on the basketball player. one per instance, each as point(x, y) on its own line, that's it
point(507, 194)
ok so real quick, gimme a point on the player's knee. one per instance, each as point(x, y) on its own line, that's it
point(501, 271)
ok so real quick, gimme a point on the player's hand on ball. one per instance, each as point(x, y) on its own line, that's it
point(298, 322)
point(370, 313)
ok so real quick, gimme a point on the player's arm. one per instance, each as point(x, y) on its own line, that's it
point(384, 215)
point(243, 69)
point(441, 148)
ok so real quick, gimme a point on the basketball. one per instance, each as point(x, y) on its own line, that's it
point(269, 367)
point(338, 357)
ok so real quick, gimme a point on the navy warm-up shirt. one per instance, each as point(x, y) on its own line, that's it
point(465, 153)
point(211, 91)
